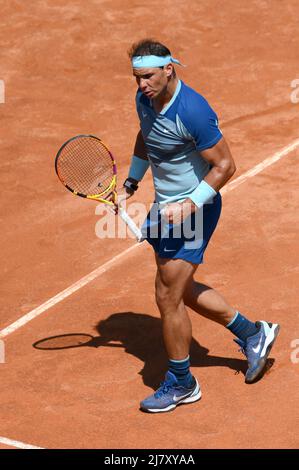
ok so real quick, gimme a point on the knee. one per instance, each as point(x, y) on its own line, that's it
point(162, 296)
point(166, 297)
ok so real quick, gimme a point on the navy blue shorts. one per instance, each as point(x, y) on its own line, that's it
point(186, 241)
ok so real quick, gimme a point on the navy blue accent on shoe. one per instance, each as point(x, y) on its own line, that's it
point(181, 371)
point(242, 328)
point(257, 348)
point(170, 394)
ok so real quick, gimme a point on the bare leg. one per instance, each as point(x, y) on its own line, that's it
point(172, 277)
point(208, 302)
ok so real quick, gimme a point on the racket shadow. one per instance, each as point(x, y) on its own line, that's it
point(69, 341)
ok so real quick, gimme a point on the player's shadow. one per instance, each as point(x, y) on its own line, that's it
point(140, 334)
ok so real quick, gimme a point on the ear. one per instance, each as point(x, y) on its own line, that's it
point(169, 70)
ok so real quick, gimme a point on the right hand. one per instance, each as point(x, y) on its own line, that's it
point(122, 195)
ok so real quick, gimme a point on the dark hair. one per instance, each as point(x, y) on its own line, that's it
point(148, 47)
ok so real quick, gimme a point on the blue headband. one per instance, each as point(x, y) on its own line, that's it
point(141, 61)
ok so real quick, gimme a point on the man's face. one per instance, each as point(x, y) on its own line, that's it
point(152, 81)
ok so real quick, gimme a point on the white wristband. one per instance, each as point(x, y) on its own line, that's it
point(138, 168)
point(203, 194)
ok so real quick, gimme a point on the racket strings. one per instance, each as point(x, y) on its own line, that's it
point(86, 166)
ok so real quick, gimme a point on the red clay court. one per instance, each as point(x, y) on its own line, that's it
point(66, 72)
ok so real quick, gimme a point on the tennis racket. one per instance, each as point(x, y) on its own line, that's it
point(86, 167)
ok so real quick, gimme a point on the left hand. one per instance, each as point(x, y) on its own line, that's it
point(177, 212)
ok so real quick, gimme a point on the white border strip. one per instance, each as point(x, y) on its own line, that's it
point(18, 444)
point(101, 269)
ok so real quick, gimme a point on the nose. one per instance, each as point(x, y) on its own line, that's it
point(142, 83)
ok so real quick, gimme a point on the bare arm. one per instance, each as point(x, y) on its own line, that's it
point(140, 149)
point(140, 152)
point(223, 165)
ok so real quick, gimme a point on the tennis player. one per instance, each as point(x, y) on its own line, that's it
point(180, 140)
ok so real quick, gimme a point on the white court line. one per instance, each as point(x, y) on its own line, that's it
point(65, 293)
point(101, 269)
point(261, 166)
point(18, 444)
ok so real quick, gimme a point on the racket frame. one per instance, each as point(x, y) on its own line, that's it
point(98, 196)
point(108, 191)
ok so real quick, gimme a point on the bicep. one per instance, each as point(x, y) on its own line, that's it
point(219, 155)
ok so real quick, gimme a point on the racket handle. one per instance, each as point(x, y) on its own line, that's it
point(130, 223)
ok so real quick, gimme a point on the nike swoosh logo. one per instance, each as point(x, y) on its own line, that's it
point(175, 398)
point(258, 347)
point(165, 249)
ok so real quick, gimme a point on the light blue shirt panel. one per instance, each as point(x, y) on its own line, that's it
point(176, 164)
